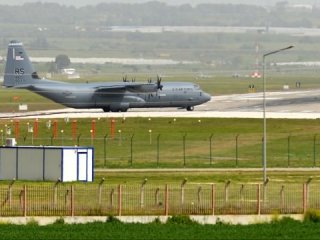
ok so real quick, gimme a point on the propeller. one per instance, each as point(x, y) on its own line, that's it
point(149, 80)
point(124, 79)
point(159, 85)
point(133, 79)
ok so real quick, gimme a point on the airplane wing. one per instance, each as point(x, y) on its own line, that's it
point(130, 87)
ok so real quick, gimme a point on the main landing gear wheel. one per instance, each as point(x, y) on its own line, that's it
point(190, 108)
point(106, 109)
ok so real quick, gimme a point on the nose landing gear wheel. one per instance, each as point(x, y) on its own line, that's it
point(190, 108)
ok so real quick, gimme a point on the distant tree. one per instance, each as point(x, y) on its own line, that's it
point(62, 61)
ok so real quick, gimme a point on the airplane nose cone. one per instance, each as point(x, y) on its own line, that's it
point(206, 97)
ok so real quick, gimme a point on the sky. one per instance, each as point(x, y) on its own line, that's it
point(79, 3)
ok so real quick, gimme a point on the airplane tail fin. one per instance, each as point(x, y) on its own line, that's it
point(19, 70)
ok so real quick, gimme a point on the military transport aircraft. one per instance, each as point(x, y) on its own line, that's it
point(111, 96)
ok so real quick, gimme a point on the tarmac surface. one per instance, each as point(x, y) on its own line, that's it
point(283, 104)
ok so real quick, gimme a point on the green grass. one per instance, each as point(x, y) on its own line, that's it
point(282, 229)
point(181, 143)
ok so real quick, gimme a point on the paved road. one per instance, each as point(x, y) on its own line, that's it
point(282, 104)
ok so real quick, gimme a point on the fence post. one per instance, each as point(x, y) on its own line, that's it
point(282, 198)
point(10, 192)
point(105, 150)
point(241, 193)
point(100, 191)
point(72, 201)
point(158, 149)
point(78, 139)
point(25, 200)
point(55, 192)
point(289, 138)
point(314, 150)
point(213, 198)
point(258, 199)
point(111, 197)
point(265, 184)
point(156, 197)
point(306, 194)
point(226, 191)
point(210, 148)
point(166, 203)
point(304, 198)
point(182, 190)
point(237, 152)
point(142, 192)
point(184, 149)
point(66, 198)
point(119, 200)
point(131, 150)
point(199, 194)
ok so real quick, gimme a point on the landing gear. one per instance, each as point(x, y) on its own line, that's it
point(106, 109)
point(119, 110)
point(190, 108)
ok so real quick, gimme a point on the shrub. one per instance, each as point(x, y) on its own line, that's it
point(59, 220)
point(112, 219)
point(283, 220)
point(32, 222)
point(312, 216)
point(156, 221)
point(180, 219)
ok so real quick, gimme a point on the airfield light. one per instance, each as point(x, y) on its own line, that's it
point(120, 137)
point(62, 136)
point(264, 109)
point(150, 136)
point(91, 134)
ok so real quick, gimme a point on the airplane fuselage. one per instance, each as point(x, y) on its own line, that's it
point(84, 95)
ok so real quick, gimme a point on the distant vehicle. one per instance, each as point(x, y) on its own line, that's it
point(111, 96)
point(68, 71)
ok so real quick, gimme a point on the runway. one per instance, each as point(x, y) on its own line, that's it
point(283, 104)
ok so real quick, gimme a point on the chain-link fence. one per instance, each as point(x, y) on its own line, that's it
point(164, 143)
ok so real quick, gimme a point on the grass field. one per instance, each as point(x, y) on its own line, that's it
point(179, 142)
point(174, 229)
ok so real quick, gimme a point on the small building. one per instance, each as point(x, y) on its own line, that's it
point(47, 163)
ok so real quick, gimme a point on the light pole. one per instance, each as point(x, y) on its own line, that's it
point(264, 109)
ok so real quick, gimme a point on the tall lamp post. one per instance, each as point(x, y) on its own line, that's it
point(264, 109)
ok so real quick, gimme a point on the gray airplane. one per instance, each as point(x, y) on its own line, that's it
point(112, 96)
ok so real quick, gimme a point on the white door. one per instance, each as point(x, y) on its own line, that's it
point(82, 166)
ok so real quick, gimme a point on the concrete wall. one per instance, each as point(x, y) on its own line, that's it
point(204, 219)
